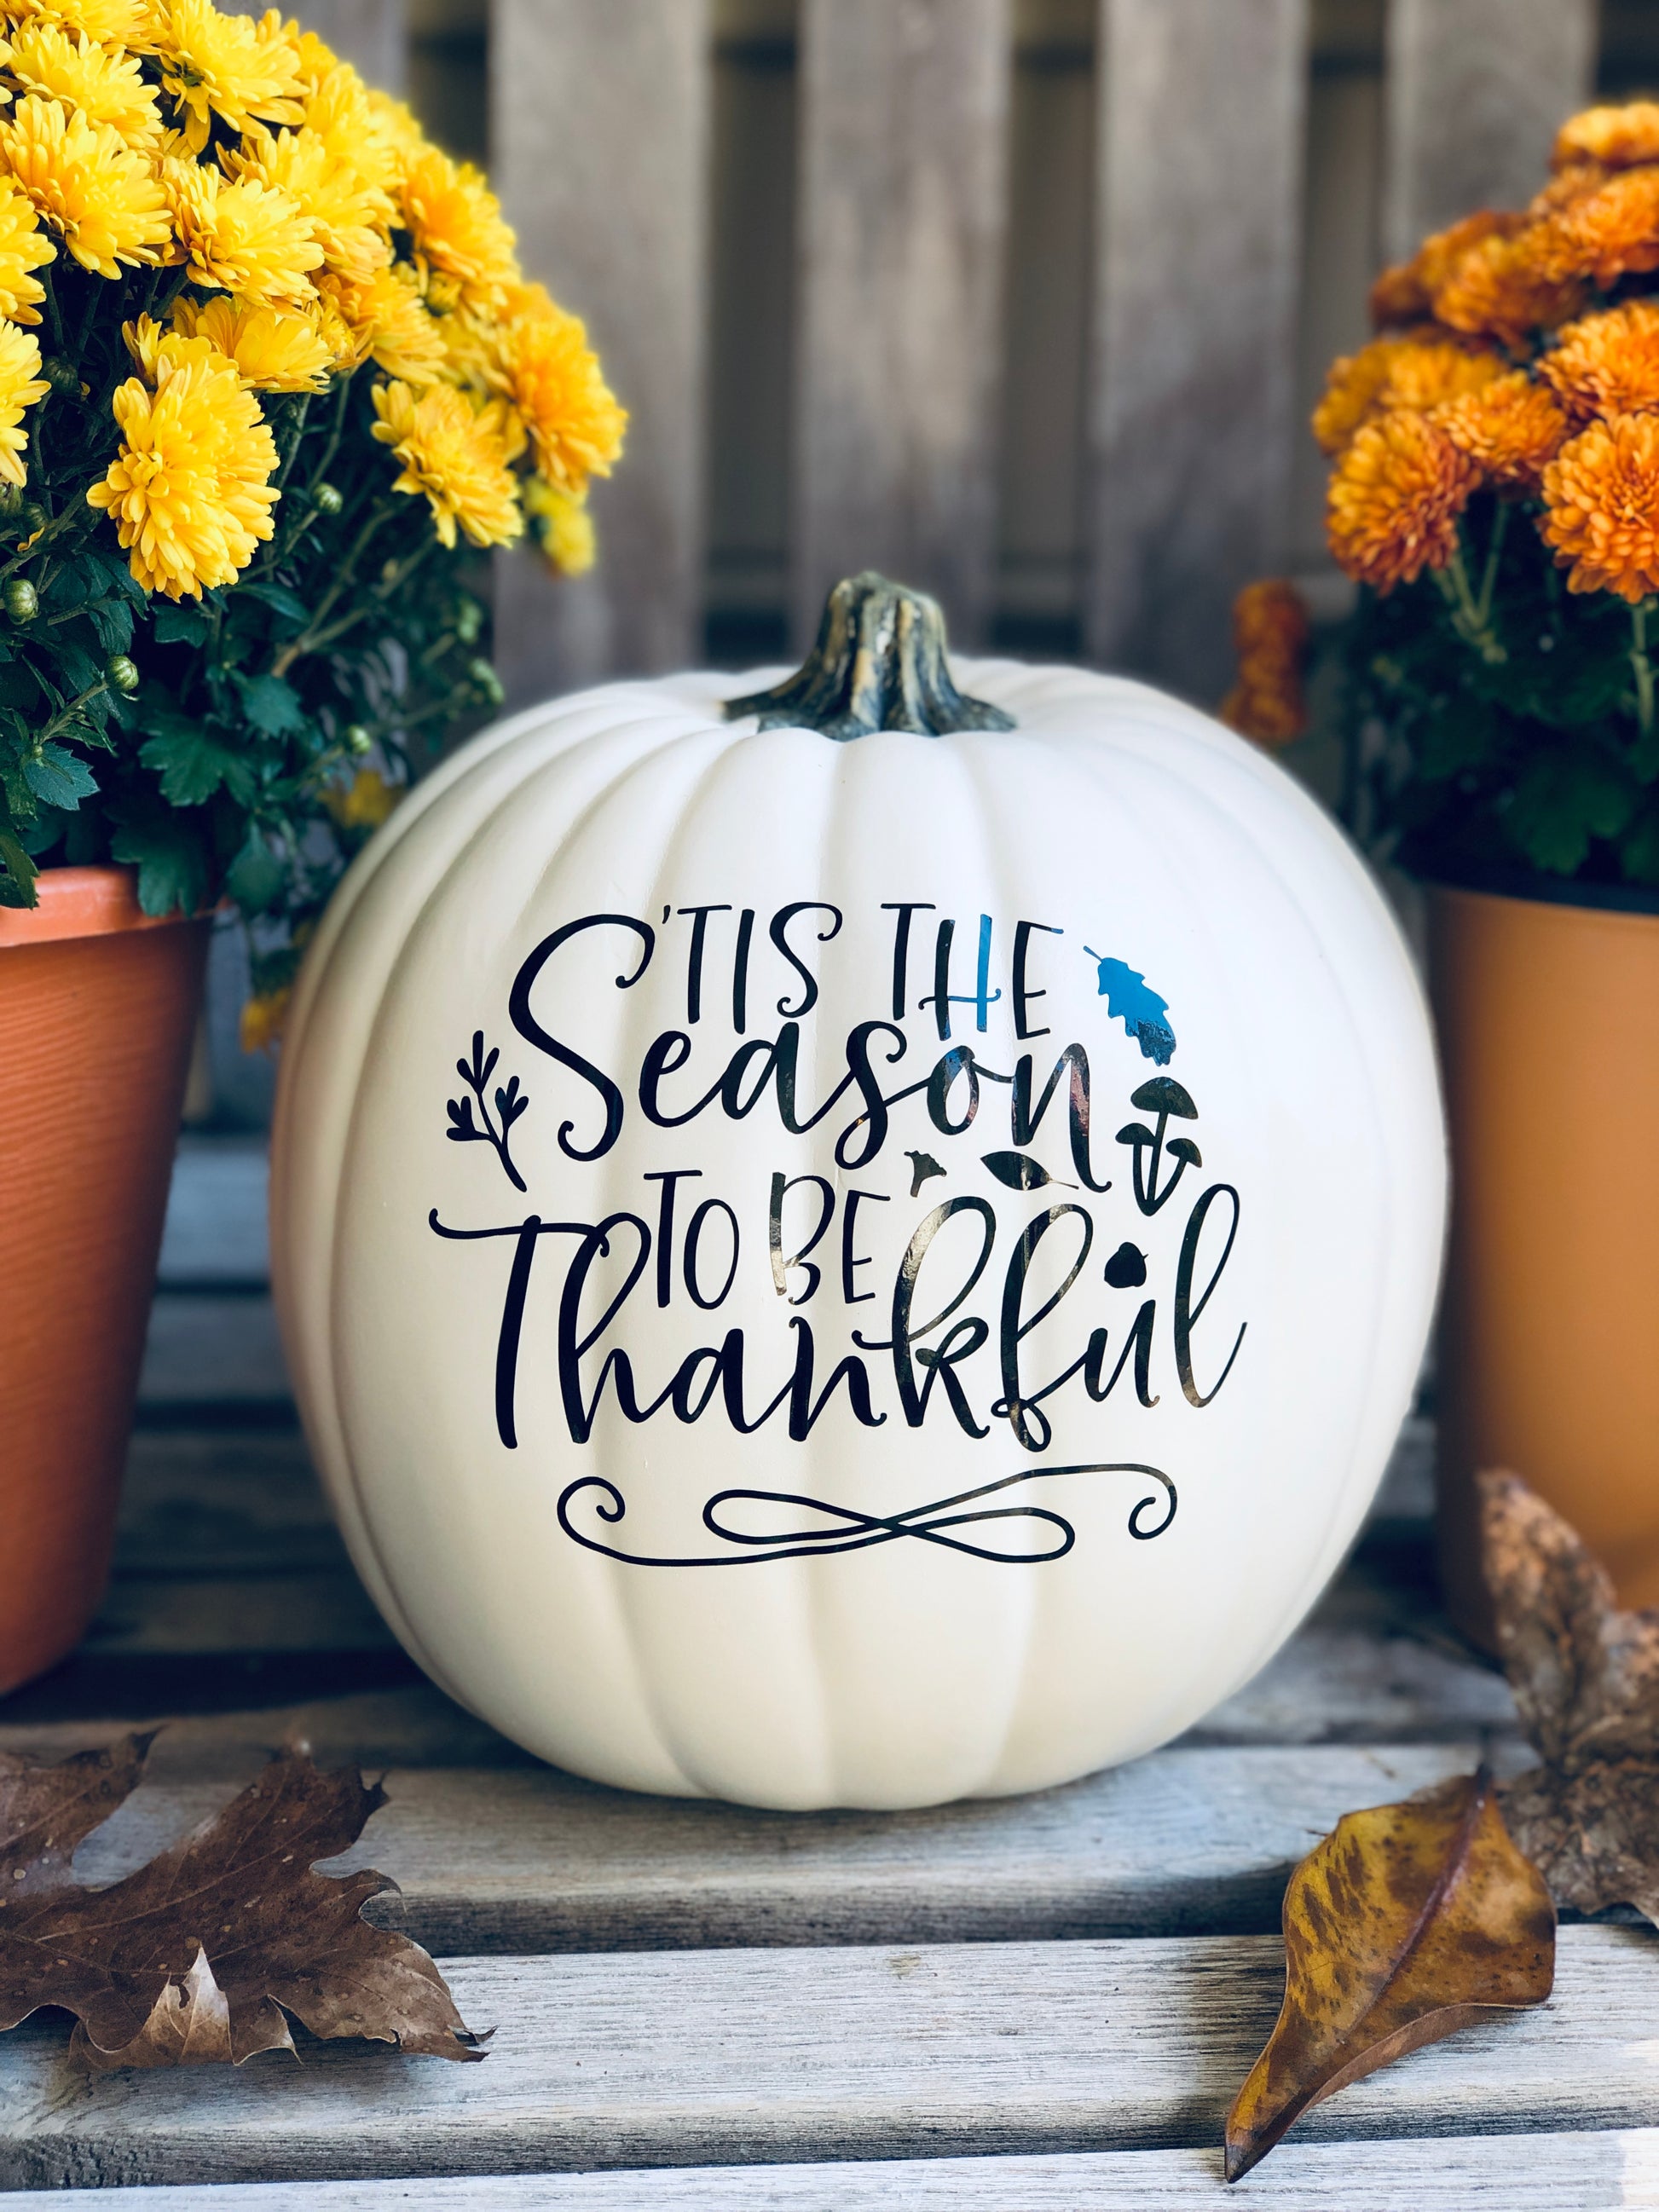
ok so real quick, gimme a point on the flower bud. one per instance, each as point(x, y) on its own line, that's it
point(61, 374)
point(122, 672)
point(485, 679)
point(469, 621)
point(22, 600)
point(327, 498)
point(357, 739)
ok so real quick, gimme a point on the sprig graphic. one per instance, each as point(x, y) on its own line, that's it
point(510, 1103)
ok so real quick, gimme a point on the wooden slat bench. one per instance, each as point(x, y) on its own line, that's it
point(1038, 2003)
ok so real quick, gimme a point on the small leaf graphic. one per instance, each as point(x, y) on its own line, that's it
point(1021, 1172)
point(1406, 1923)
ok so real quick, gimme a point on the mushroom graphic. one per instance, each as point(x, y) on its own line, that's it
point(1164, 1096)
point(1126, 1268)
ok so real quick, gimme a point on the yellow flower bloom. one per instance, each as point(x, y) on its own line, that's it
point(111, 23)
point(21, 248)
point(103, 84)
point(190, 489)
point(100, 196)
point(386, 320)
point(242, 235)
point(402, 136)
point(263, 1018)
point(1270, 636)
point(564, 524)
point(1395, 498)
point(274, 350)
point(1510, 427)
point(459, 231)
point(1609, 364)
point(455, 456)
point(143, 342)
point(350, 219)
point(1618, 137)
point(365, 802)
point(217, 64)
point(343, 115)
point(1601, 508)
point(21, 385)
point(543, 365)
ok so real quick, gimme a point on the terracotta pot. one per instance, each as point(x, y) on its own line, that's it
point(98, 1006)
point(1548, 1015)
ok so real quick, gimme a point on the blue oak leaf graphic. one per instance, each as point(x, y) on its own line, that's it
point(1130, 999)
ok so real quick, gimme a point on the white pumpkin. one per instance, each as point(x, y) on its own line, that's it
point(738, 1373)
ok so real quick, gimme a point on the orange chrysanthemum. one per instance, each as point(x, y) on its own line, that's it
point(1609, 364)
point(1505, 288)
point(1395, 499)
point(1618, 137)
point(1270, 636)
point(1568, 186)
point(1608, 234)
point(1511, 428)
point(1601, 508)
point(1406, 293)
point(1398, 372)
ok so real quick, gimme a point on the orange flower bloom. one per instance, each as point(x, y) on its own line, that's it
point(1609, 364)
point(1416, 372)
point(1405, 293)
point(1270, 634)
point(1507, 287)
point(1601, 508)
point(1510, 427)
point(1569, 185)
point(1618, 137)
point(1395, 499)
point(1608, 234)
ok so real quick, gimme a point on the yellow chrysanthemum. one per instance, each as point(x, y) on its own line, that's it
point(460, 236)
point(314, 60)
point(224, 65)
point(21, 385)
point(143, 342)
point(1395, 498)
point(265, 1016)
point(21, 248)
point(240, 235)
point(564, 525)
point(87, 184)
point(1506, 287)
point(1511, 428)
point(1405, 294)
point(274, 350)
point(342, 113)
point(544, 367)
point(455, 456)
point(387, 322)
point(1601, 508)
point(1270, 637)
point(364, 803)
point(1618, 137)
point(1416, 372)
point(1609, 364)
point(406, 142)
point(111, 23)
point(350, 220)
point(99, 82)
point(189, 490)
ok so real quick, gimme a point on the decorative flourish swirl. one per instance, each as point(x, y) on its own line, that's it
point(846, 1529)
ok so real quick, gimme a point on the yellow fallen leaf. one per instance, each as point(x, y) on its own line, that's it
point(1406, 1923)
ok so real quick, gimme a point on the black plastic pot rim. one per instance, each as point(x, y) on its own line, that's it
point(1501, 882)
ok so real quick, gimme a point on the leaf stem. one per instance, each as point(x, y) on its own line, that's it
point(1646, 757)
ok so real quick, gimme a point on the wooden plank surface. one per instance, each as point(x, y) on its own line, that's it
point(1576, 2172)
point(1196, 262)
point(705, 2057)
point(902, 214)
point(1474, 91)
point(599, 148)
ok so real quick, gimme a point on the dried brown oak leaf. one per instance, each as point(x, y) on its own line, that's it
point(1406, 1923)
point(1586, 1682)
point(202, 1953)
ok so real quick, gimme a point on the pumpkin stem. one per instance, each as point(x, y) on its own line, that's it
point(878, 664)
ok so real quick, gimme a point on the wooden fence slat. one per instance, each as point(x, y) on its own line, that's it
point(708, 2057)
point(1196, 263)
point(1614, 2168)
point(903, 209)
point(531, 1860)
point(1473, 94)
point(599, 138)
